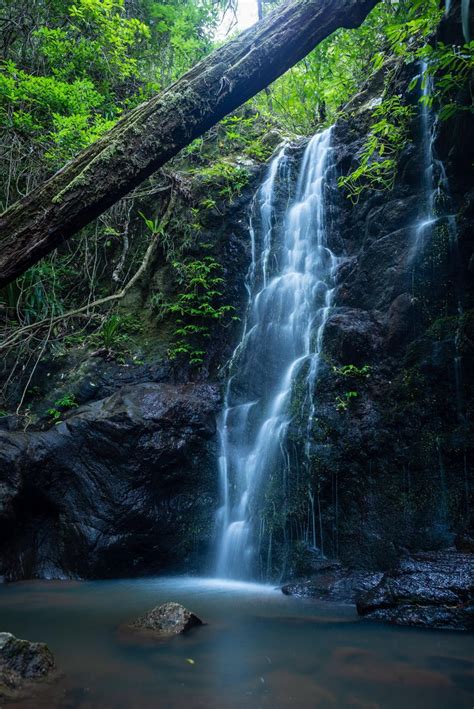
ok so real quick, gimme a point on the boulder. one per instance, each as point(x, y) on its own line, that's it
point(431, 589)
point(22, 665)
point(166, 620)
point(354, 336)
point(122, 487)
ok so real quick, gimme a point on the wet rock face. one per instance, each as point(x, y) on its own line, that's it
point(333, 583)
point(22, 665)
point(392, 458)
point(167, 620)
point(434, 590)
point(122, 487)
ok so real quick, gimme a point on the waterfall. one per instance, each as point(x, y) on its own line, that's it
point(437, 213)
point(436, 194)
point(436, 210)
point(290, 286)
point(433, 173)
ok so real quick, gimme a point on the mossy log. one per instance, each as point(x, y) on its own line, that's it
point(148, 136)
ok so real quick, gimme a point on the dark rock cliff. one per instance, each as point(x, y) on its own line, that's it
point(395, 468)
point(123, 487)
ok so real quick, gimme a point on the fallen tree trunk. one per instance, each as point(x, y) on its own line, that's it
point(144, 139)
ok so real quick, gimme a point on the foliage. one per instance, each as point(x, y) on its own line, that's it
point(343, 402)
point(208, 203)
point(315, 91)
point(378, 160)
point(410, 30)
point(196, 307)
point(244, 133)
point(448, 70)
point(153, 225)
point(64, 403)
point(116, 334)
point(110, 330)
point(231, 178)
point(448, 67)
point(69, 70)
point(351, 370)
point(70, 67)
point(99, 42)
point(41, 292)
point(80, 69)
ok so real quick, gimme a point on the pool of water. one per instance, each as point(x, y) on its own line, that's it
point(258, 649)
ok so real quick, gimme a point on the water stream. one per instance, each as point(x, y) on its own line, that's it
point(290, 286)
point(436, 202)
point(437, 219)
point(258, 649)
point(437, 208)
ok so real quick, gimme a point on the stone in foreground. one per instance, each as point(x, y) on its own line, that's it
point(167, 620)
point(22, 665)
point(430, 590)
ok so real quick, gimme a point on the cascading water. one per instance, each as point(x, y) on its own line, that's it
point(434, 179)
point(436, 214)
point(436, 204)
point(436, 207)
point(290, 285)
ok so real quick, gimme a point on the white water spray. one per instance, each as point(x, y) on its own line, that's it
point(290, 285)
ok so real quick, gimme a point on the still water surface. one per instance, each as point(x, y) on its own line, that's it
point(259, 649)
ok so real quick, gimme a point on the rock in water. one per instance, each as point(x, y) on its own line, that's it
point(431, 590)
point(333, 583)
point(167, 620)
point(22, 665)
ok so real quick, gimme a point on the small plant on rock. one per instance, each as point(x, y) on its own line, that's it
point(378, 160)
point(109, 331)
point(343, 402)
point(350, 370)
point(61, 405)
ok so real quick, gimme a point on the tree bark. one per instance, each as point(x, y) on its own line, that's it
point(148, 136)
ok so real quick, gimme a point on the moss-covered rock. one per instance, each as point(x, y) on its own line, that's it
point(24, 667)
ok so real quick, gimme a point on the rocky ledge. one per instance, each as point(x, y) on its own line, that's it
point(332, 582)
point(430, 590)
point(23, 666)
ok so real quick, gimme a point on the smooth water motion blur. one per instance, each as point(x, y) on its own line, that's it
point(437, 203)
point(290, 285)
point(437, 212)
point(258, 649)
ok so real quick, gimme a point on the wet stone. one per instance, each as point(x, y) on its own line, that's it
point(432, 590)
point(23, 664)
point(166, 621)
